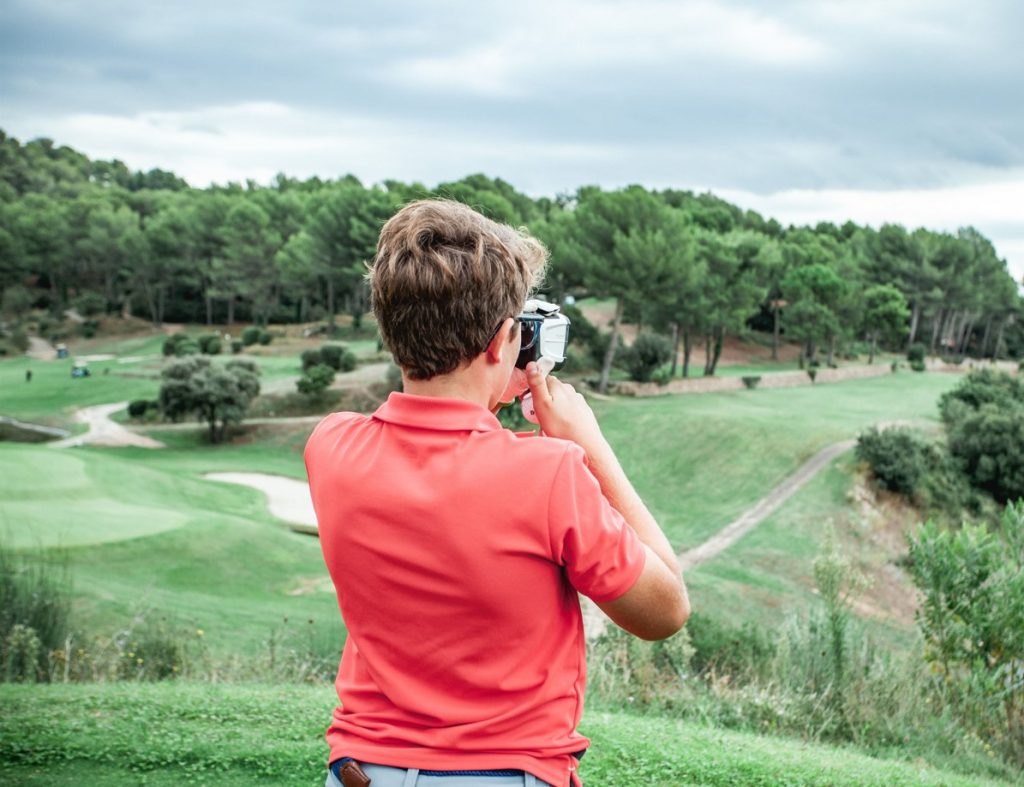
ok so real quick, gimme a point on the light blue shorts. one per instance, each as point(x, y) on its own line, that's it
point(385, 776)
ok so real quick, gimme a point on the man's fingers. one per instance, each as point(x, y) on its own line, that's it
point(536, 381)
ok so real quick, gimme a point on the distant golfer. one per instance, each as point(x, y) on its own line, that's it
point(457, 547)
point(28, 375)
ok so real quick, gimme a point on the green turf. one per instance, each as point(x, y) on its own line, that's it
point(128, 734)
point(699, 461)
point(222, 563)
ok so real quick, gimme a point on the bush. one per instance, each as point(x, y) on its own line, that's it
point(89, 304)
point(751, 381)
point(648, 352)
point(137, 408)
point(916, 352)
point(179, 345)
point(662, 375)
point(989, 446)
point(812, 372)
point(18, 339)
point(338, 357)
point(210, 344)
point(896, 456)
point(236, 346)
point(265, 337)
point(316, 380)
point(311, 358)
point(917, 366)
point(88, 328)
point(251, 335)
point(973, 621)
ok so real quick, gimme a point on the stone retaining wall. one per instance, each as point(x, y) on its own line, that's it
point(768, 380)
point(793, 378)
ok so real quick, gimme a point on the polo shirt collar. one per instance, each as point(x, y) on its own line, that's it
point(431, 412)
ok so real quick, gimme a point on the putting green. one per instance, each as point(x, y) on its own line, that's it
point(50, 497)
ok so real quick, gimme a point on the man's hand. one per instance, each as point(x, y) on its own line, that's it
point(563, 412)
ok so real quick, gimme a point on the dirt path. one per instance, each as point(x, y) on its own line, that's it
point(40, 349)
point(738, 528)
point(104, 432)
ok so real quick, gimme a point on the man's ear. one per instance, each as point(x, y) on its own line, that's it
point(501, 343)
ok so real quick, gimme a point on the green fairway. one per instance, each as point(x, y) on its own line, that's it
point(53, 394)
point(147, 532)
point(128, 734)
point(68, 498)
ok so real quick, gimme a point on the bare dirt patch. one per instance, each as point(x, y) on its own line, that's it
point(877, 534)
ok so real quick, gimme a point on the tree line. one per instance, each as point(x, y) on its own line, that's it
point(692, 267)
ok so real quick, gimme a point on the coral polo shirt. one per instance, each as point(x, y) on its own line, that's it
point(457, 549)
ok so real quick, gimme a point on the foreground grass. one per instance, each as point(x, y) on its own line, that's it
point(162, 734)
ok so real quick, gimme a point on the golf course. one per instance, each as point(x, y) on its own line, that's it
point(155, 537)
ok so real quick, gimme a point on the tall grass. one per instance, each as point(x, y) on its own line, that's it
point(35, 608)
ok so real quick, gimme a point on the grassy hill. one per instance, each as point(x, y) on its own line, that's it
point(169, 734)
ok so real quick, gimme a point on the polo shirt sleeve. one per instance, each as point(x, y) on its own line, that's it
point(602, 555)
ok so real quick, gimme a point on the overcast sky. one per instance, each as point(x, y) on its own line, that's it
point(903, 110)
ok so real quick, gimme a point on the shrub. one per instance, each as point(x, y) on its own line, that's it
point(88, 328)
point(662, 375)
point(916, 352)
point(265, 337)
point(648, 352)
point(236, 346)
point(179, 345)
point(338, 357)
point(311, 358)
point(138, 407)
point(989, 445)
point(18, 339)
point(895, 365)
point(972, 619)
point(812, 372)
point(917, 366)
point(316, 380)
point(896, 456)
point(89, 304)
point(751, 381)
point(210, 344)
point(250, 335)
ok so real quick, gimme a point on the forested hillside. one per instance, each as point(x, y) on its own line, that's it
point(96, 236)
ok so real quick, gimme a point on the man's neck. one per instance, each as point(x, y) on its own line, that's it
point(460, 384)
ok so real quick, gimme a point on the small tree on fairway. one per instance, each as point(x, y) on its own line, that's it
point(217, 395)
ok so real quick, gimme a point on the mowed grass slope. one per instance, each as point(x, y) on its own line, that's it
point(145, 532)
point(145, 529)
point(699, 461)
point(165, 734)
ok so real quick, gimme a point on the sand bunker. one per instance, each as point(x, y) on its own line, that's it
point(287, 498)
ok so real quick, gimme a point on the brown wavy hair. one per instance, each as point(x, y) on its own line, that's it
point(443, 279)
